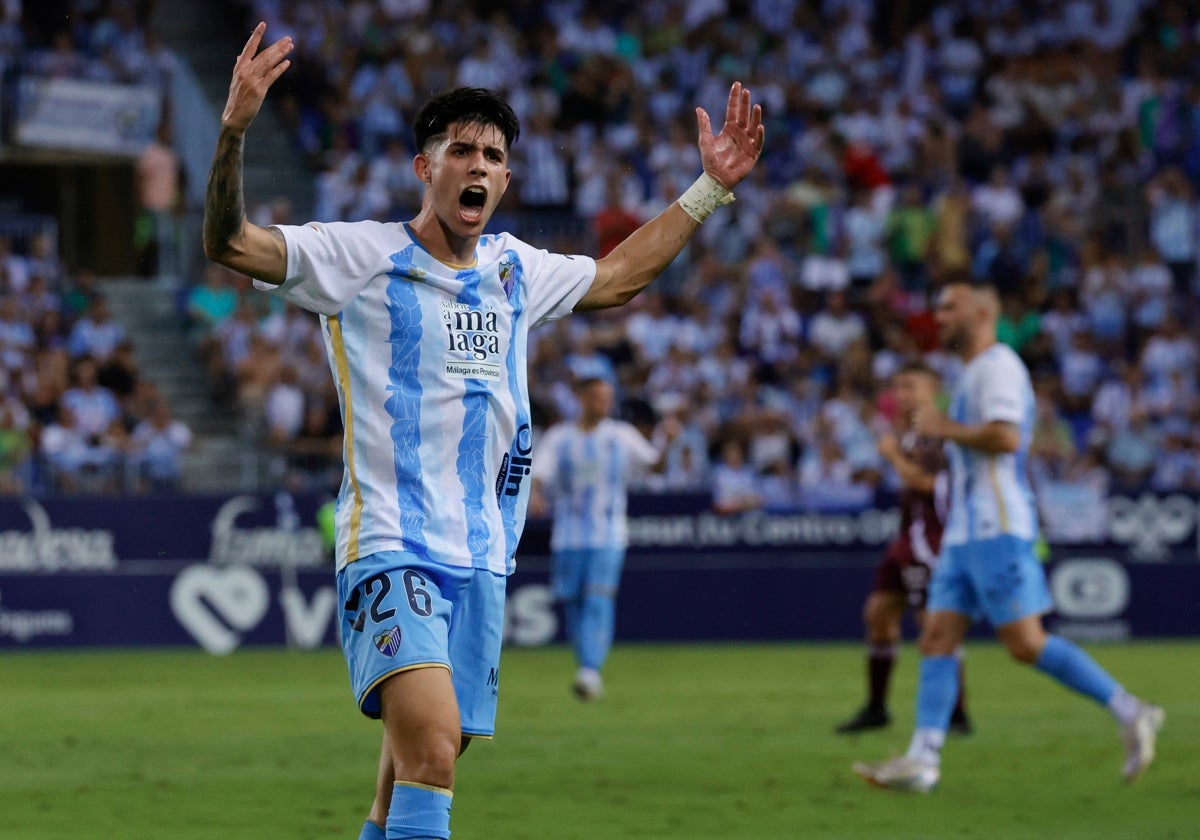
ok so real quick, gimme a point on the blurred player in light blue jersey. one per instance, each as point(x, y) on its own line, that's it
point(585, 467)
point(426, 327)
point(988, 565)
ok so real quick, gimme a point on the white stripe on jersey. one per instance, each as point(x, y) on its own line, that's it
point(430, 366)
point(587, 474)
point(990, 494)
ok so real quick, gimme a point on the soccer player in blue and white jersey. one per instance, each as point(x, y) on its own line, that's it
point(585, 467)
point(988, 566)
point(426, 327)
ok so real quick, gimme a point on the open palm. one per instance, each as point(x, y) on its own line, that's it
point(729, 156)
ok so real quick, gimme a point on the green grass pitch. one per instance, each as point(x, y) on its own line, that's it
point(692, 742)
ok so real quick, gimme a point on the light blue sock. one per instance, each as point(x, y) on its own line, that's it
point(372, 831)
point(1071, 666)
point(937, 691)
point(418, 811)
point(596, 625)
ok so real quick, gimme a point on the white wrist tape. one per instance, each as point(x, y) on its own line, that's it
point(703, 197)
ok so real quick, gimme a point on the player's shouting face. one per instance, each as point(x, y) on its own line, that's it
point(466, 173)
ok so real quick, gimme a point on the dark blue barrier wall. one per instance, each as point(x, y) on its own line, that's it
point(249, 570)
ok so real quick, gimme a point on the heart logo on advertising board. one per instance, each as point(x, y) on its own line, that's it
point(216, 604)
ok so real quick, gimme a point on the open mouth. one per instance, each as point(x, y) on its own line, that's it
point(471, 203)
point(473, 197)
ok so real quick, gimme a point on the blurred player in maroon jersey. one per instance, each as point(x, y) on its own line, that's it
point(902, 579)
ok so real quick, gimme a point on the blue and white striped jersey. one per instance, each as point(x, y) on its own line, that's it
point(431, 372)
point(587, 473)
point(990, 494)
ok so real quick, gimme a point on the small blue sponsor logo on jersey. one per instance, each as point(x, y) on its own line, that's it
point(515, 466)
point(388, 642)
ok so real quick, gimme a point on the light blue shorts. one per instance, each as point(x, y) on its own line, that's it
point(581, 571)
point(1000, 579)
point(401, 612)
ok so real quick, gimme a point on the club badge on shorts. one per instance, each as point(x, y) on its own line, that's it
point(388, 642)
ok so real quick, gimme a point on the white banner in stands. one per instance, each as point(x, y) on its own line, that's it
point(86, 116)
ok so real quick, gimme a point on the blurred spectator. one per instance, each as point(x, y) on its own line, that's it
point(94, 408)
point(16, 445)
point(1052, 450)
point(1063, 320)
point(770, 328)
point(119, 373)
point(1082, 369)
point(1170, 350)
point(615, 221)
point(835, 327)
point(998, 202)
point(1178, 466)
point(827, 480)
point(685, 448)
point(76, 460)
point(157, 189)
point(910, 229)
point(864, 229)
point(212, 302)
point(14, 268)
point(95, 334)
point(1150, 284)
point(1173, 230)
point(1018, 324)
point(735, 486)
point(17, 337)
point(157, 447)
point(283, 408)
point(1133, 451)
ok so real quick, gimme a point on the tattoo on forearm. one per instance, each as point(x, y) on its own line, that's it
point(224, 203)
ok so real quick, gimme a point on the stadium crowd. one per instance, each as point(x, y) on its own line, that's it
point(75, 413)
point(1052, 149)
point(1049, 148)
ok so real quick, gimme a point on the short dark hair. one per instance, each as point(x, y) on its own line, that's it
point(919, 367)
point(585, 382)
point(465, 105)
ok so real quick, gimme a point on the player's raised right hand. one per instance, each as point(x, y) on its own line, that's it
point(253, 76)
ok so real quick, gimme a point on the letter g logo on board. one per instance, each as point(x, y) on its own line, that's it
point(1093, 587)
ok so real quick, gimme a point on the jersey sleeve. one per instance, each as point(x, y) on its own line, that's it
point(328, 264)
point(555, 283)
point(1002, 390)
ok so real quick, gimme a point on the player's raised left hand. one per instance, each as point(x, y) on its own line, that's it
point(253, 75)
point(729, 156)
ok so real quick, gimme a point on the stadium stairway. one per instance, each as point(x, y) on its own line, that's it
point(220, 458)
point(208, 36)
